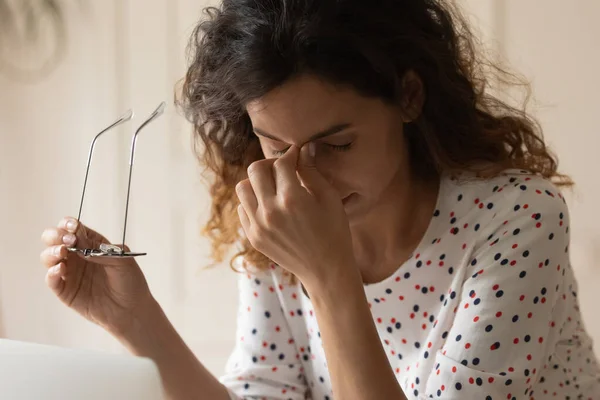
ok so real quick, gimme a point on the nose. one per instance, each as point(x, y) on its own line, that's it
point(330, 178)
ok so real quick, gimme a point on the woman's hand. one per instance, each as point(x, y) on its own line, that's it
point(292, 215)
point(108, 292)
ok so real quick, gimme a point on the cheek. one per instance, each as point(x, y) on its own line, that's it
point(348, 171)
point(374, 172)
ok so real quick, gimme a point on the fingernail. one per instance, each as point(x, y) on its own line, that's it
point(69, 239)
point(312, 149)
point(57, 250)
point(55, 270)
point(71, 225)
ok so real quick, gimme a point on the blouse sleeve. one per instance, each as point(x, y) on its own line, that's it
point(506, 319)
point(263, 364)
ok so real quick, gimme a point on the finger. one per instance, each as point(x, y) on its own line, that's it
point(307, 156)
point(52, 255)
point(111, 261)
point(244, 220)
point(310, 175)
point(87, 238)
point(260, 174)
point(57, 236)
point(55, 278)
point(286, 179)
point(73, 226)
point(248, 199)
point(69, 224)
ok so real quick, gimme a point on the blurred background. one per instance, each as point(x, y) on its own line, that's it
point(70, 67)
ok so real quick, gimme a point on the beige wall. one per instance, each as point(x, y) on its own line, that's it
point(128, 54)
point(556, 47)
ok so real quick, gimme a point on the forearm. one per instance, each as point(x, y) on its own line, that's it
point(357, 362)
point(182, 375)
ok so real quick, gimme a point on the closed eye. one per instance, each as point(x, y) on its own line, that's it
point(343, 147)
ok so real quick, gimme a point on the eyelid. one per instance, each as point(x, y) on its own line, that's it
point(340, 147)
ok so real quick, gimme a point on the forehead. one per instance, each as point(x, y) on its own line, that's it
point(304, 102)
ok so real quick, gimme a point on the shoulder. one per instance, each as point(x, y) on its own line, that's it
point(527, 228)
point(512, 195)
point(513, 219)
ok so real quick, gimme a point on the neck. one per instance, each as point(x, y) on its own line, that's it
point(386, 237)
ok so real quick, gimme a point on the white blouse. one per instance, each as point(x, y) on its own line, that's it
point(485, 308)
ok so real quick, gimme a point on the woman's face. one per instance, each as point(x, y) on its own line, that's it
point(361, 149)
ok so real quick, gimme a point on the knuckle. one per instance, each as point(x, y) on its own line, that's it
point(47, 256)
point(242, 186)
point(278, 163)
point(43, 257)
point(270, 216)
point(288, 202)
point(258, 166)
point(58, 251)
point(257, 238)
point(45, 235)
point(253, 169)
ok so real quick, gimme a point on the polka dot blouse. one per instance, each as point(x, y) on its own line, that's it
point(485, 308)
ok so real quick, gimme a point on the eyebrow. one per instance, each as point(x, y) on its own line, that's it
point(327, 132)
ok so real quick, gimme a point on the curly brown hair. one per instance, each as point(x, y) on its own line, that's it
point(246, 48)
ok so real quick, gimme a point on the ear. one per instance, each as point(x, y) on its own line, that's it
point(413, 96)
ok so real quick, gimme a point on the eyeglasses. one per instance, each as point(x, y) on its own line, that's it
point(111, 250)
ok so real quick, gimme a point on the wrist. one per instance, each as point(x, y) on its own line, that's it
point(145, 319)
point(338, 284)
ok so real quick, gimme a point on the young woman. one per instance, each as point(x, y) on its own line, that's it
point(401, 230)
